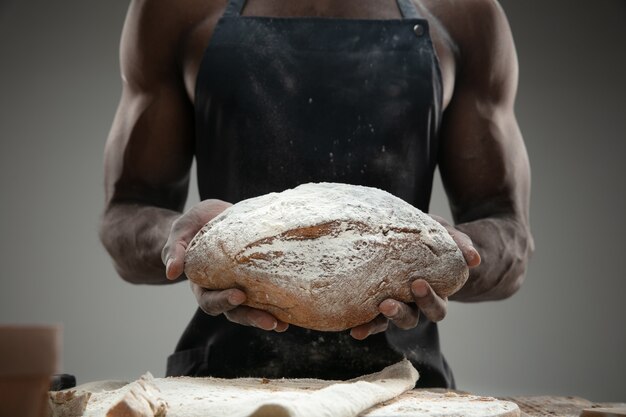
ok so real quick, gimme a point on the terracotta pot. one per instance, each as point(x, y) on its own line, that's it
point(29, 355)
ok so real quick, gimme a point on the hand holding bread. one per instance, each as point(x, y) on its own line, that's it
point(427, 302)
point(325, 256)
point(227, 301)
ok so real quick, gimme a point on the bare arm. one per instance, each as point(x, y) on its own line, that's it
point(484, 168)
point(147, 160)
point(149, 150)
point(483, 160)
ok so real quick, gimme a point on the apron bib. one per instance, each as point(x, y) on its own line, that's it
point(282, 101)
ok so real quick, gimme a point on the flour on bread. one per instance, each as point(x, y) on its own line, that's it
point(323, 256)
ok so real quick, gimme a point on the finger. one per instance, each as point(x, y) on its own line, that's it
point(402, 315)
point(433, 306)
point(281, 326)
point(465, 244)
point(228, 302)
point(462, 240)
point(249, 316)
point(174, 259)
point(215, 303)
point(472, 257)
point(440, 219)
point(379, 324)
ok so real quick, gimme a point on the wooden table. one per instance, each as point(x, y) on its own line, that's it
point(557, 406)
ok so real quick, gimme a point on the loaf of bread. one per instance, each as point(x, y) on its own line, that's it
point(324, 256)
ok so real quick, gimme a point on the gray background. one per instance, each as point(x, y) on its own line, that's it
point(562, 334)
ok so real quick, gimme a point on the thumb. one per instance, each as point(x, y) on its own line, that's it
point(174, 259)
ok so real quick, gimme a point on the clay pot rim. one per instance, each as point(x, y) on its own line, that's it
point(33, 349)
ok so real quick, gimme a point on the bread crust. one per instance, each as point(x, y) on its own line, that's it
point(323, 255)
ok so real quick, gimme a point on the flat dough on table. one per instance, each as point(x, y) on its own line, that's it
point(424, 403)
point(244, 397)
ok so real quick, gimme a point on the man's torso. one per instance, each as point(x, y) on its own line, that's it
point(195, 25)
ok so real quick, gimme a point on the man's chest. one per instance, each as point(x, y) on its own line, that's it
point(198, 38)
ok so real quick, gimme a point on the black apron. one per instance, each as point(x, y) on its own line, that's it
point(284, 101)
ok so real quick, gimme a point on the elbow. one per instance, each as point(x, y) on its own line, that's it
point(510, 286)
point(507, 251)
point(515, 274)
point(105, 234)
point(134, 244)
point(126, 275)
point(112, 244)
point(122, 270)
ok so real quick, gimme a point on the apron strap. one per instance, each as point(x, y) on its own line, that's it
point(408, 9)
point(234, 8)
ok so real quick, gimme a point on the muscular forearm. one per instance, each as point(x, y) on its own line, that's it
point(134, 236)
point(505, 246)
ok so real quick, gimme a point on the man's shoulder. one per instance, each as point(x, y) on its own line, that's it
point(485, 51)
point(164, 16)
point(464, 9)
point(156, 32)
point(167, 22)
point(468, 21)
point(478, 31)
